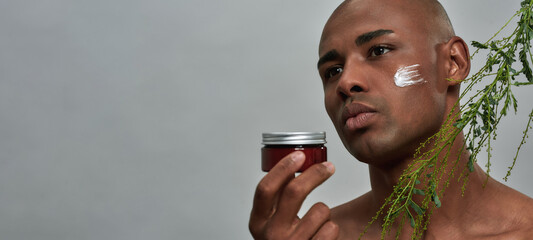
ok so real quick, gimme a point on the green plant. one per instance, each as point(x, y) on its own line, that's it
point(478, 117)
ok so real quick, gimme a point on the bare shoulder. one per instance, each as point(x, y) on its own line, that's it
point(353, 216)
point(519, 204)
point(356, 207)
point(524, 232)
point(524, 221)
point(516, 213)
point(524, 213)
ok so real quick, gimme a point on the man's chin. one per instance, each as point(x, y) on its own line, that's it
point(382, 161)
point(376, 150)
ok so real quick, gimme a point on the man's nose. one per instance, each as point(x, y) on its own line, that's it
point(352, 81)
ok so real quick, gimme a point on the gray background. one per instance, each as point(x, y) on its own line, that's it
point(143, 119)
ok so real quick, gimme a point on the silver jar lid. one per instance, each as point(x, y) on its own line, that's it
point(294, 138)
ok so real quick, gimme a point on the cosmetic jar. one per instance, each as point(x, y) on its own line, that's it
point(277, 145)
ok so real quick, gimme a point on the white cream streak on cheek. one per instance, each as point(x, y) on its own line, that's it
point(407, 76)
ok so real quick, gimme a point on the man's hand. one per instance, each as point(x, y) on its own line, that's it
point(279, 196)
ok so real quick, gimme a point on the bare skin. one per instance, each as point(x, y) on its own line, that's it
point(362, 46)
point(280, 195)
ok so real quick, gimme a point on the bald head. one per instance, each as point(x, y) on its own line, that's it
point(437, 17)
point(365, 47)
point(430, 14)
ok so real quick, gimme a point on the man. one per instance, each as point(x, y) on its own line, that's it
point(386, 67)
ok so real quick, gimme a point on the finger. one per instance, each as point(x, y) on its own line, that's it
point(268, 189)
point(317, 215)
point(296, 191)
point(328, 231)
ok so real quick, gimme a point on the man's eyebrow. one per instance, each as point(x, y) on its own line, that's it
point(367, 37)
point(331, 55)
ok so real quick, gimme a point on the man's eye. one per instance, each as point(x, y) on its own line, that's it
point(331, 72)
point(378, 51)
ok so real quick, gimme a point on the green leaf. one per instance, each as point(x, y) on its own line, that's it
point(419, 192)
point(459, 125)
point(506, 105)
point(525, 65)
point(470, 146)
point(479, 45)
point(436, 200)
point(417, 208)
point(471, 163)
point(494, 46)
point(529, 32)
point(477, 132)
point(515, 103)
point(411, 219)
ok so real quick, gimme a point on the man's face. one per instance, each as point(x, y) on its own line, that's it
point(363, 47)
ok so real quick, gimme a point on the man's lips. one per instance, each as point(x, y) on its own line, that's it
point(357, 116)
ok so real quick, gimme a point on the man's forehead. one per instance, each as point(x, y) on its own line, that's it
point(377, 11)
point(356, 24)
point(360, 16)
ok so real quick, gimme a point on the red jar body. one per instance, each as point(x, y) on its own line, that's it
point(272, 154)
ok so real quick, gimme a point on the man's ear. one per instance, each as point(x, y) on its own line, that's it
point(458, 59)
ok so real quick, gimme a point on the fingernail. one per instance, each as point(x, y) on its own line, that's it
point(297, 157)
point(329, 166)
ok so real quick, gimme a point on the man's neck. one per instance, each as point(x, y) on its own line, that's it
point(485, 209)
point(454, 204)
